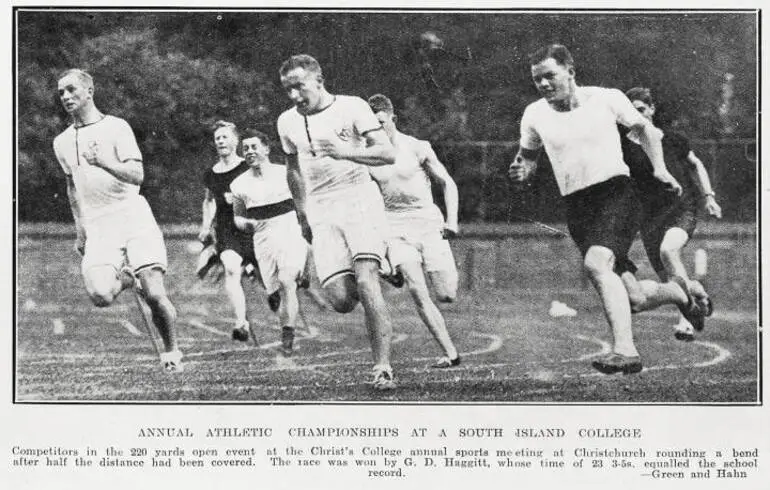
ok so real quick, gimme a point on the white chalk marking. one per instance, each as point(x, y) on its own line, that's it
point(58, 326)
point(130, 327)
point(606, 348)
point(198, 324)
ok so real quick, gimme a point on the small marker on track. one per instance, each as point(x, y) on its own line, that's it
point(58, 326)
point(130, 327)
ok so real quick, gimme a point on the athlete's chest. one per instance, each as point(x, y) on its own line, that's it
point(583, 125)
point(332, 124)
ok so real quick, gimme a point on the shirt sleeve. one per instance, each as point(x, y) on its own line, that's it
point(624, 111)
point(64, 166)
point(287, 144)
point(530, 138)
point(126, 147)
point(364, 119)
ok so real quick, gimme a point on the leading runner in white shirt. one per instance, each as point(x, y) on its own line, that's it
point(116, 232)
point(329, 141)
point(578, 128)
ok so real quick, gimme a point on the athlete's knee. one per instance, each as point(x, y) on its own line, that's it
point(341, 304)
point(637, 300)
point(101, 298)
point(447, 292)
point(669, 251)
point(598, 260)
point(102, 288)
point(368, 285)
point(341, 294)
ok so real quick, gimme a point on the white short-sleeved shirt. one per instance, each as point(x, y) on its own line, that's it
point(261, 190)
point(583, 144)
point(348, 119)
point(98, 190)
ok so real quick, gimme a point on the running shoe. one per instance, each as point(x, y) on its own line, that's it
point(618, 363)
point(446, 362)
point(383, 378)
point(691, 311)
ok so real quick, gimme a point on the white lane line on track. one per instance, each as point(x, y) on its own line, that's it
point(733, 316)
point(130, 327)
point(722, 355)
point(397, 339)
point(58, 326)
point(199, 324)
point(496, 342)
point(606, 348)
point(312, 333)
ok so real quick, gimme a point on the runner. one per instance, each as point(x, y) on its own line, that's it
point(117, 235)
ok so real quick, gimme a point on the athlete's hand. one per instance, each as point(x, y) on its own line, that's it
point(520, 170)
point(80, 243)
point(449, 231)
point(712, 208)
point(205, 237)
point(307, 233)
point(328, 148)
point(93, 154)
point(669, 182)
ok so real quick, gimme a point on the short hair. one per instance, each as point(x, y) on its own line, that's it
point(379, 102)
point(304, 61)
point(226, 124)
point(558, 52)
point(642, 94)
point(85, 78)
point(253, 133)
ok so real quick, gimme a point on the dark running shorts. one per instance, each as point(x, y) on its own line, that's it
point(238, 242)
point(604, 214)
point(655, 224)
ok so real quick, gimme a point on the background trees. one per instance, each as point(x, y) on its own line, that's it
point(172, 74)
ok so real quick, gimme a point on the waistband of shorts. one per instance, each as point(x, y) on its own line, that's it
point(271, 210)
point(334, 195)
point(609, 185)
point(95, 214)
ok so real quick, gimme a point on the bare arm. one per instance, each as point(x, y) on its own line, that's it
point(298, 193)
point(239, 215)
point(80, 241)
point(650, 141)
point(378, 151)
point(704, 185)
point(209, 211)
point(438, 173)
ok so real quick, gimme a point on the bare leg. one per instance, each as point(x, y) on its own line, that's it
point(341, 293)
point(646, 294)
point(599, 262)
point(163, 311)
point(375, 310)
point(429, 313)
point(103, 284)
point(233, 287)
point(444, 285)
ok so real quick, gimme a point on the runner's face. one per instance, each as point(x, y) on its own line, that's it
point(553, 80)
point(645, 110)
point(73, 94)
point(225, 141)
point(304, 89)
point(386, 120)
point(254, 151)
